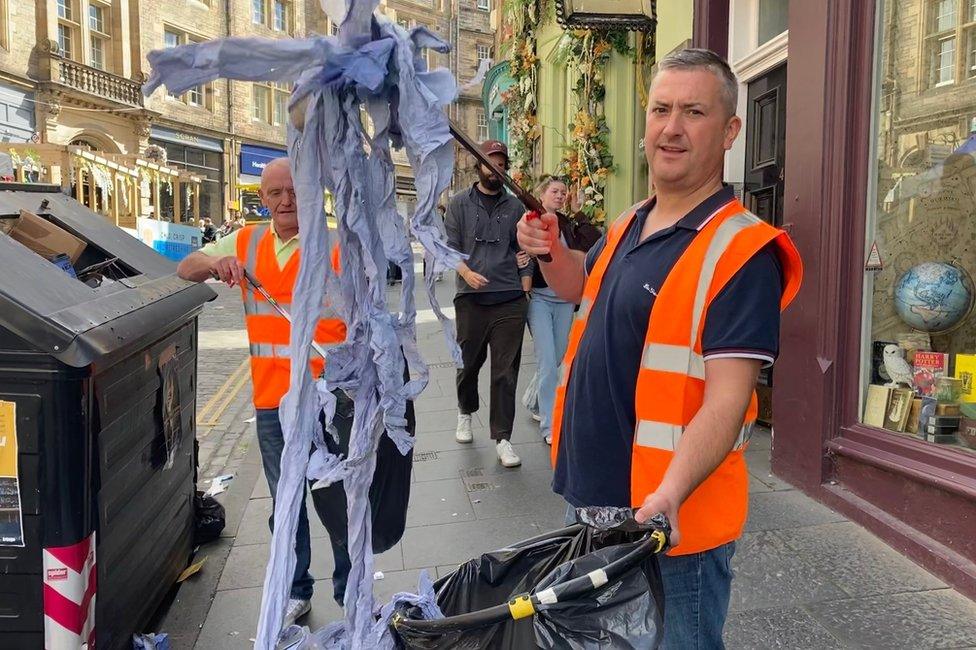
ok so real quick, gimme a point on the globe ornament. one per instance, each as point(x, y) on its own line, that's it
point(934, 297)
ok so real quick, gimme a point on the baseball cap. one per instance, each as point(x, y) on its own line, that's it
point(494, 146)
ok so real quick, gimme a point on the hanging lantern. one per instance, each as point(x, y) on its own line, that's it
point(635, 15)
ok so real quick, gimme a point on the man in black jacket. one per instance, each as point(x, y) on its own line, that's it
point(490, 304)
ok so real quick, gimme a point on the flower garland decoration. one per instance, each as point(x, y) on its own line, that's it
point(588, 161)
point(521, 26)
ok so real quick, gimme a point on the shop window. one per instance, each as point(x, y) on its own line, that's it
point(920, 330)
point(199, 96)
point(773, 19)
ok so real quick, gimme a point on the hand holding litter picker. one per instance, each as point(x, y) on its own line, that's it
point(532, 203)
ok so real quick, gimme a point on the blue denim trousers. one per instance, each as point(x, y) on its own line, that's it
point(549, 322)
point(696, 596)
point(271, 442)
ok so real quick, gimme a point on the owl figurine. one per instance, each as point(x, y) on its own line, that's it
point(896, 366)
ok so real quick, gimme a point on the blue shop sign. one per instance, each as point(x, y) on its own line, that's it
point(254, 158)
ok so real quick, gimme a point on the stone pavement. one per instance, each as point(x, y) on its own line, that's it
point(805, 576)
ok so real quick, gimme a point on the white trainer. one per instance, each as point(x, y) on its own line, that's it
point(506, 454)
point(463, 433)
point(295, 610)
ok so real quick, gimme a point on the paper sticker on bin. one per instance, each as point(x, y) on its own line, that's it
point(575, 587)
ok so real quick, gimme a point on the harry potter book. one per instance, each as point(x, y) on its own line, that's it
point(929, 366)
point(966, 371)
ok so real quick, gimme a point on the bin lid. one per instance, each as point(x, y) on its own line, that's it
point(62, 316)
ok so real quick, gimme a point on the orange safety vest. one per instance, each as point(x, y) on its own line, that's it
point(269, 333)
point(671, 380)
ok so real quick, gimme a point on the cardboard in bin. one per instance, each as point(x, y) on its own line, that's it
point(43, 237)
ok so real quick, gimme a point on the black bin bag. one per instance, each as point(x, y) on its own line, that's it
point(588, 588)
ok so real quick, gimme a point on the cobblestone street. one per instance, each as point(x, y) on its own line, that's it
point(805, 576)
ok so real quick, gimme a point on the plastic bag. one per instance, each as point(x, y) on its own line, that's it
point(530, 398)
point(623, 613)
point(208, 518)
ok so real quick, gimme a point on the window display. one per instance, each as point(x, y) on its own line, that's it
point(921, 238)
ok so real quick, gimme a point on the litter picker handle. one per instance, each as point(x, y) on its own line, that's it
point(533, 204)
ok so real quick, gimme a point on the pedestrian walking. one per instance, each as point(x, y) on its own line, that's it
point(271, 253)
point(549, 315)
point(679, 309)
point(490, 304)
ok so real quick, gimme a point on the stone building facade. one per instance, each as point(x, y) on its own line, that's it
point(71, 73)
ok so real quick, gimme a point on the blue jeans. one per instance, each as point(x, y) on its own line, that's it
point(696, 596)
point(271, 442)
point(549, 322)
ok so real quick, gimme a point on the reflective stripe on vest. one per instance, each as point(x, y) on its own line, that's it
point(671, 376)
point(268, 331)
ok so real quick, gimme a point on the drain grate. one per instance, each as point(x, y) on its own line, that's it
point(480, 486)
point(474, 472)
point(424, 455)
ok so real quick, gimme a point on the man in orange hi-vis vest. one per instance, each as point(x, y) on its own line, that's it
point(270, 252)
point(679, 310)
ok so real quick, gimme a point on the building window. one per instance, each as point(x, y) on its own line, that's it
point(484, 5)
point(773, 19)
point(269, 103)
point(943, 62)
point(99, 24)
point(919, 357)
point(484, 53)
point(482, 126)
point(273, 14)
point(944, 14)
point(201, 96)
point(280, 16)
point(68, 29)
point(261, 95)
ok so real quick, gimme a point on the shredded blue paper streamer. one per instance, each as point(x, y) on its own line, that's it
point(376, 66)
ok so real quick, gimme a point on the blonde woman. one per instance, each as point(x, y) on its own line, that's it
point(550, 316)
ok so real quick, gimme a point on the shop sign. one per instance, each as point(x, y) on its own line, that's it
point(254, 158)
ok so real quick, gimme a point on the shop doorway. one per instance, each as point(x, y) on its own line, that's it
point(766, 145)
point(763, 179)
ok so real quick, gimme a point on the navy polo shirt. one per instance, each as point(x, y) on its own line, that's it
point(597, 435)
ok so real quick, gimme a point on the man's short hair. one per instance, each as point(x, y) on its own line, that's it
point(701, 58)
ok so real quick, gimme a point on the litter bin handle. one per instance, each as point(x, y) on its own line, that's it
point(525, 605)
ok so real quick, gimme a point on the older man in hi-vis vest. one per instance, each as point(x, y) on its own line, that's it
point(679, 309)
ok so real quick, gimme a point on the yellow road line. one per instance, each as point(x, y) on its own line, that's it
point(205, 412)
point(231, 394)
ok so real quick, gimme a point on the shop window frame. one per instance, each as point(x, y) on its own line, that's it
point(946, 467)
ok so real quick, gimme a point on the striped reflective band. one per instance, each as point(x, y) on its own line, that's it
point(263, 308)
point(720, 242)
point(563, 374)
point(679, 359)
point(251, 261)
point(270, 350)
point(662, 435)
point(584, 309)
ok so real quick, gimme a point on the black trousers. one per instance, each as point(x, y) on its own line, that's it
point(498, 328)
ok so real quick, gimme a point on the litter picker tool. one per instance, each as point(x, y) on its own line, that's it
point(254, 282)
point(532, 203)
